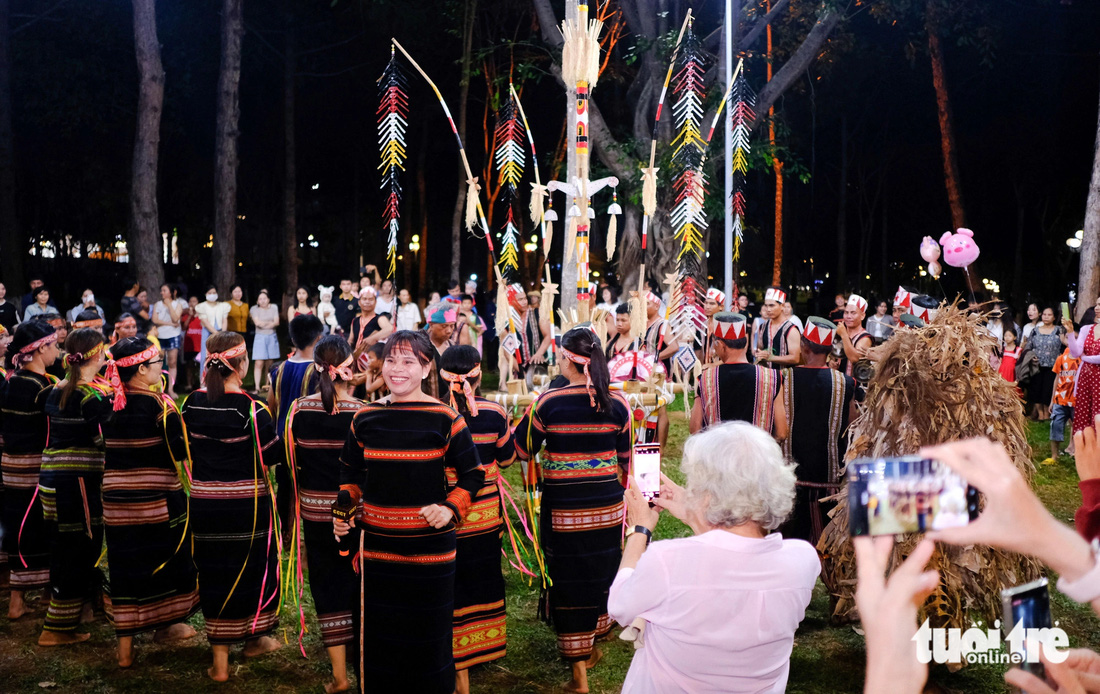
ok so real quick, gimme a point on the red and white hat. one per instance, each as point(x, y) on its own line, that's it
point(903, 299)
point(515, 291)
point(774, 294)
point(819, 331)
point(729, 326)
point(858, 301)
point(716, 294)
point(925, 308)
point(652, 298)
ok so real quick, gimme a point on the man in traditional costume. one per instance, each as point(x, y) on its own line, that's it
point(659, 340)
point(778, 344)
point(736, 389)
point(532, 331)
point(711, 306)
point(818, 402)
point(853, 339)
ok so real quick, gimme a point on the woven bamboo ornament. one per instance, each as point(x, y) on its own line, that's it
point(393, 122)
point(742, 102)
point(613, 224)
point(509, 158)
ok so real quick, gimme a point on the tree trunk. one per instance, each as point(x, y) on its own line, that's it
point(145, 240)
point(777, 166)
point(457, 221)
point(12, 243)
point(225, 147)
point(290, 172)
point(842, 210)
point(1088, 282)
point(947, 129)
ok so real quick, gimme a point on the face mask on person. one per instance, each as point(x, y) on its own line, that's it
point(212, 296)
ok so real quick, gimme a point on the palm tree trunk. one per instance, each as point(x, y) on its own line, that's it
point(1088, 282)
point(225, 147)
point(947, 128)
point(145, 239)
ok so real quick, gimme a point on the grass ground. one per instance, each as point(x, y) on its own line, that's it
point(825, 659)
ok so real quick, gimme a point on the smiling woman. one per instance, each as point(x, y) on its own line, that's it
point(397, 461)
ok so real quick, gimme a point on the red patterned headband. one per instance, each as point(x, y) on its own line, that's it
point(225, 356)
point(96, 323)
point(584, 362)
point(460, 384)
point(26, 355)
point(116, 381)
point(343, 371)
point(731, 330)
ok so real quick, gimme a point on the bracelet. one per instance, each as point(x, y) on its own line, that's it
point(1086, 588)
point(643, 530)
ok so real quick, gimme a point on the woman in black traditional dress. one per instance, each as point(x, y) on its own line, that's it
point(153, 586)
point(480, 635)
point(33, 349)
point(586, 431)
point(233, 522)
point(318, 428)
point(396, 463)
point(70, 486)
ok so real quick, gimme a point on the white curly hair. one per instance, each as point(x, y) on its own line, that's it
point(736, 473)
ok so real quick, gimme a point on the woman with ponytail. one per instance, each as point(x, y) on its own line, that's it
point(32, 351)
point(71, 486)
point(233, 522)
point(153, 586)
point(586, 432)
point(479, 627)
point(316, 431)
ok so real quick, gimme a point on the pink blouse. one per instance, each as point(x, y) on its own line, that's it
point(721, 612)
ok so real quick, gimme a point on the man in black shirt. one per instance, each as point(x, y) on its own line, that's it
point(346, 306)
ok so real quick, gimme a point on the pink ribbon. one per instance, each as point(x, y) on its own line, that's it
point(460, 384)
point(584, 362)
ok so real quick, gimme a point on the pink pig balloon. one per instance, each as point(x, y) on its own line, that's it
point(959, 249)
point(929, 250)
point(934, 269)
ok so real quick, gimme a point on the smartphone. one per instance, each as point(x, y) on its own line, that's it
point(1065, 311)
point(907, 494)
point(1029, 606)
point(647, 469)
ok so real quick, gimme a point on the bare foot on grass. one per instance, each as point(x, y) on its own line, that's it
point(58, 638)
point(260, 646)
point(217, 676)
point(176, 632)
point(333, 687)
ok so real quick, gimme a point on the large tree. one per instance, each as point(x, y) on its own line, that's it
point(225, 147)
point(650, 21)
point(145, 239)
point(1088, 282)
point(11, 254)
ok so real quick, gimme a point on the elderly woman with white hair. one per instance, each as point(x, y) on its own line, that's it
point(721, 607)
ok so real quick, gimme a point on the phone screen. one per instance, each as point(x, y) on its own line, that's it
point(1029, 606)
point(647, 469)
point(1065, 311)
point(908, 494)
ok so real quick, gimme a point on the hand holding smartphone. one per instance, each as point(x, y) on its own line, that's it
point(907, 494)
point(647, 469)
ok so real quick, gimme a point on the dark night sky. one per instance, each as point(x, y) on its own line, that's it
point(1026, 128)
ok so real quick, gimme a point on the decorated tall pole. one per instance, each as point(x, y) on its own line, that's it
point(580, 67)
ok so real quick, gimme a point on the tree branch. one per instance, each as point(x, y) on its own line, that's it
point(793, 69)
point(761, 24)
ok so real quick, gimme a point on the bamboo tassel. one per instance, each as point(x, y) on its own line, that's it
point(547, 237)
point(538, 192)
point(649, 190)
point(612, 232)
point(472, 190)
point(504, 312)
point(637, 306)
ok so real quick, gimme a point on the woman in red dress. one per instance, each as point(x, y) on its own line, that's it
point(1085, 347)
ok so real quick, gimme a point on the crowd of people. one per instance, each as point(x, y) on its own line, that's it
point(371, 452)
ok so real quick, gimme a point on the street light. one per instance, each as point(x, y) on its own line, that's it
point(414, 245)
point(1075, 241)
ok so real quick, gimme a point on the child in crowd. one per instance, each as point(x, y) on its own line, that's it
point(1061, 403)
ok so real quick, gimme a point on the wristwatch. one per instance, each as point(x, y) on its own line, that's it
point(641, 529)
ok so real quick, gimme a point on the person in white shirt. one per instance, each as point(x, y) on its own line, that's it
point(387, 300)
point(717, 612)
point(166, 316)
point(87, 303)
point(408, 313)
point(213, 315)
point(788, 313)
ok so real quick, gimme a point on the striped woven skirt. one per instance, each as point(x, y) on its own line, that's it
point(480, 633)
point(581, 524)
point(332, 582)
point(153, 581)
point(72, 506)
point(25, 538)
point(407, 605)
point(237, 557)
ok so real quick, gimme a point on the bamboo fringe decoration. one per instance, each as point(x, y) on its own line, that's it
point(599, 324)
point(537, 204)
point(637, 306)
point(932, 385)
point(504, 310)
point(472, 190)
point(548, 236)
point(570, 238)
point(580, 55)
point(612, 232)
